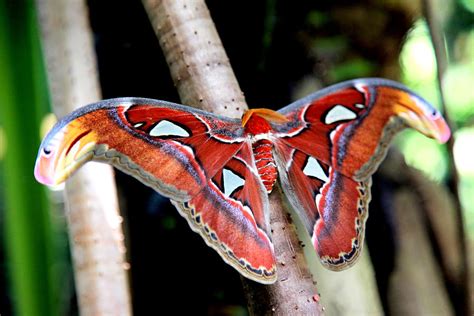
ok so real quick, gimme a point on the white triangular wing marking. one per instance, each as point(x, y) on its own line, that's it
point(339, 113)
point(167, 128)
point(231, 181)
point(314, 169)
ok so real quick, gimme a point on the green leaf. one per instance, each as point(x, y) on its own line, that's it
point(28, 229)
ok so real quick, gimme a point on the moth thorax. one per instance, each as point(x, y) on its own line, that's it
point(263, 154)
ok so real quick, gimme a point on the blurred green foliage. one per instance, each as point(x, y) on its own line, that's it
point(419, 72)
point(27, 227)
point(352, 68)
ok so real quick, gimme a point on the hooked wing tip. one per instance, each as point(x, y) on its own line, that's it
point(41, 174)
point(420, 115)
point(44, 167)
point(62, 152)
point(443, 132)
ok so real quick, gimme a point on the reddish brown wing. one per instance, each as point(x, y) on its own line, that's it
point(312, 124)
point(231, 213)
point(333, 143)
point(201, 134)
point(332, 207)
point(339, 235)
point(178, 151)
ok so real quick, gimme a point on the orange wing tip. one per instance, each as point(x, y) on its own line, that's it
point(421, 116)
point(62, 153)
point(433, 127)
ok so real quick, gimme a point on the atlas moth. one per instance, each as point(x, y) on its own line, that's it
point(218, 171)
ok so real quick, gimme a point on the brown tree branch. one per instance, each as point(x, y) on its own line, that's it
point(197, 61)
point(95, 230)
point(294, 292)
point(204, 78)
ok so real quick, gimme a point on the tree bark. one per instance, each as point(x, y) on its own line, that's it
point(204, 78)
point(95, 231)
point(294, 292)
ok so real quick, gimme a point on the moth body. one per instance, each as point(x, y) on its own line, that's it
point(266, 167)
point(258, 127)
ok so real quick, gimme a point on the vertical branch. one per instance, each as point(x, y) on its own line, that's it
point(196, 58)
point(441, 63)
point(204, 78)
point(92, 210)
point(294, 292)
